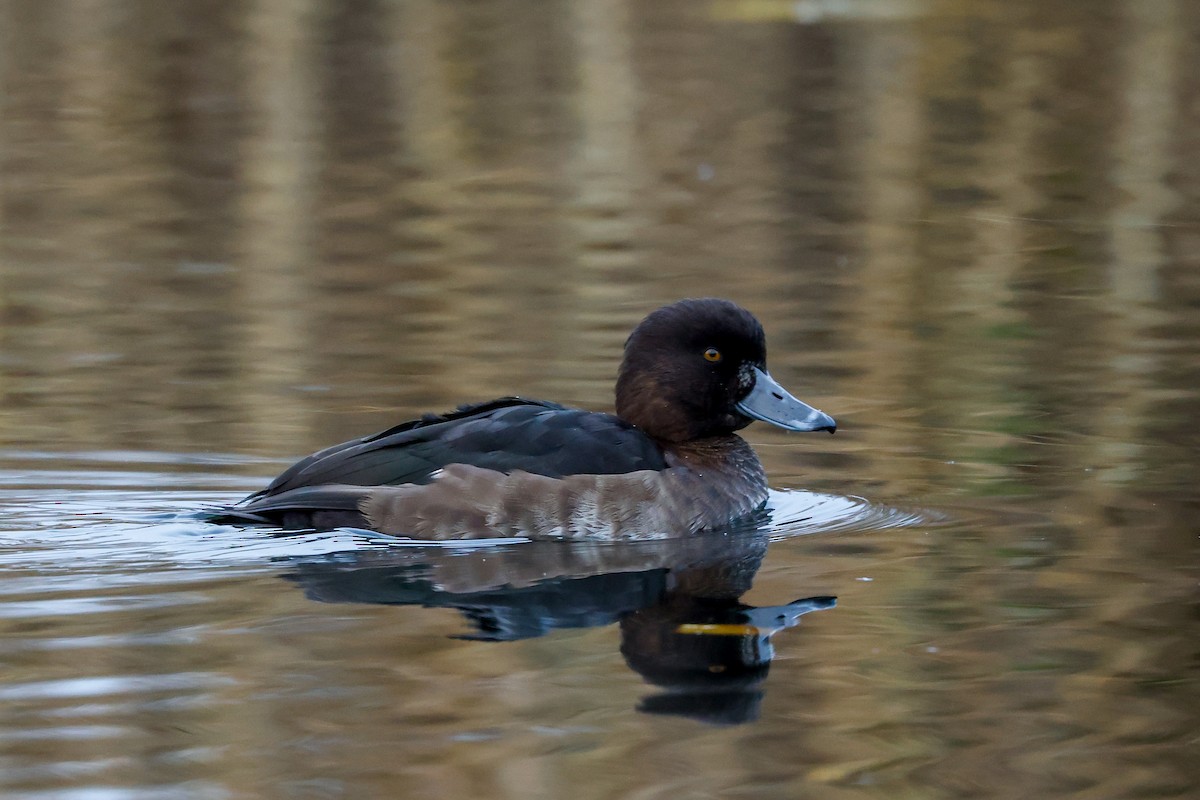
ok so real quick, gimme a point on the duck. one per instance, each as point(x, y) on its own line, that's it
point(667, 464)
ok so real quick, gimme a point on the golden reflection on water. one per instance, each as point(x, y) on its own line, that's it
point(971, 229)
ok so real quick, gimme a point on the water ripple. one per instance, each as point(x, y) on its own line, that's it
point(801, 513)
point(160, 522)
point(108, 685)
point(72, 606)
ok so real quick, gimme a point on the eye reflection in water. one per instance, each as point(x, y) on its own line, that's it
point(682, 626)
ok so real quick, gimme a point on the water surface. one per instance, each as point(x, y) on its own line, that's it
point(232, 233)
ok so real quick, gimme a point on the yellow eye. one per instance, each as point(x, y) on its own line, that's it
point(712, 354)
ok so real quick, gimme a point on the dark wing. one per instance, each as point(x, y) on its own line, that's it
point(321, 507)
point(505, 435)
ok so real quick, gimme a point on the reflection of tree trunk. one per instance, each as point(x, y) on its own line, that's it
point(1129, 356)
point(275, 253)
point(983, 288)
point(30, 151)
point(603, 175)
point(433, 138)
point(437, 254)
point(1142, 140)
point(605, 154)
point(887, 155)
point(111, 199)
point(25, 76)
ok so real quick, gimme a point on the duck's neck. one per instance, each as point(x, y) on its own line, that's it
point(727, 451)
point(724, 469)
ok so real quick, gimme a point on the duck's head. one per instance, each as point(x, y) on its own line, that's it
point(698, 368)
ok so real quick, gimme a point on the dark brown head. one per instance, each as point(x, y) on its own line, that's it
point(698, 368)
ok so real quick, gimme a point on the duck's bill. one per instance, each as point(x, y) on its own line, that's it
point(770, 402)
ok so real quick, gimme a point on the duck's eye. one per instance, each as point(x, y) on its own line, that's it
point(712, 354)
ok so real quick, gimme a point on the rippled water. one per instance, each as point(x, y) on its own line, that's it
point(147, 651)
point(133, 625)
point(232, 233)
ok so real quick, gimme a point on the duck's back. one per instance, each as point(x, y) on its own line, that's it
point(505, 435)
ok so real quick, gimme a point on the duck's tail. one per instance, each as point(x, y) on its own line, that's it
point(307, 507)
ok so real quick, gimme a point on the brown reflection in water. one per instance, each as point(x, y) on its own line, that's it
point(972, 232)
point(264, 227)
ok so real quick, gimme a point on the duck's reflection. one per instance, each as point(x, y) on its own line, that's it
point(682, 626)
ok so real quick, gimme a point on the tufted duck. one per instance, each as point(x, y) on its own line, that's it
point(667, 464)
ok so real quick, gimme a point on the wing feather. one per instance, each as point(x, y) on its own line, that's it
point(505, 435)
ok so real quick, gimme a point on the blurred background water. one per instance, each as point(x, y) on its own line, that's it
point(234, 232)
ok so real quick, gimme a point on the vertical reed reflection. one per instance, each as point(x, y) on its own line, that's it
point(263, 227)
point(972, 230)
